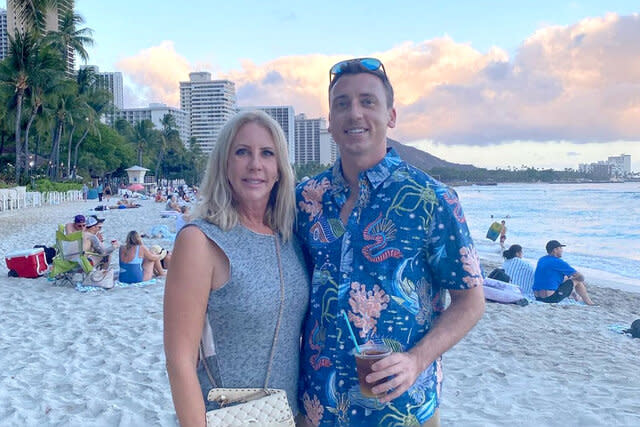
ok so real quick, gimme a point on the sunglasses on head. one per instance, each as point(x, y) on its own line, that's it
point(372, 65)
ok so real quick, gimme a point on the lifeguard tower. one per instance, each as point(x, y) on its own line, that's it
point(136, 174)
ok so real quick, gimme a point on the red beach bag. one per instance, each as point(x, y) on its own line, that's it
point(29, 263)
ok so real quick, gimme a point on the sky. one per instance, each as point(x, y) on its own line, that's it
point(548, 84)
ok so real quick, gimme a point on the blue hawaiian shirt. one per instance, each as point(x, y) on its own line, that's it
point(405, 241)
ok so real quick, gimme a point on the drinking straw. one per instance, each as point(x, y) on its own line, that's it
point(353, 337)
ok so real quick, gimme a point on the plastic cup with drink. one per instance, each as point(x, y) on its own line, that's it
point(370, 354)
point(366, 355)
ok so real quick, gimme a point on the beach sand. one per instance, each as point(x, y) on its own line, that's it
point(96, 359)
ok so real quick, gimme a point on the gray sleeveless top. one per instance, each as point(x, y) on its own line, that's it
point(241, 316)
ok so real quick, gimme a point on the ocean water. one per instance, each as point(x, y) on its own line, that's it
point(599, 223)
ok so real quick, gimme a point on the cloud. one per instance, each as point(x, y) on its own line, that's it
point(577, 83)
point(156, 71)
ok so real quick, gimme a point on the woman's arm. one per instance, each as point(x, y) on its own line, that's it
point(195, 270)
point(148, 255)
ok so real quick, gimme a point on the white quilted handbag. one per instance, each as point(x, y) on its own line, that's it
point(253, 407)
point(240, 407)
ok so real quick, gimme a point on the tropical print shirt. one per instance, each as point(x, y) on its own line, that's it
point(405, 240)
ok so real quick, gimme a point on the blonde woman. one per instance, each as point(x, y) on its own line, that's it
point(136, 260)
point(226, 274)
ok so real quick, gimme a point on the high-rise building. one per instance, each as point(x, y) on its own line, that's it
point(4, 39)
point(156, 112)
point(110, 81)
point(285, 116)
point(52, 22)
point(313, 142)
point(208, 104)
point(621, 164)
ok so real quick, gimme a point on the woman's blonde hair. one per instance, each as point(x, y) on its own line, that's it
point(133, 239)
point(216, 203)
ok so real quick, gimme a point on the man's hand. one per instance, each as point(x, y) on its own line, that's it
point(402, 369)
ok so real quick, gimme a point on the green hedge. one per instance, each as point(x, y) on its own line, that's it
point(43, 185)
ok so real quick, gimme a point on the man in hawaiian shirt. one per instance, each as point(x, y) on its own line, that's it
point(384, 240)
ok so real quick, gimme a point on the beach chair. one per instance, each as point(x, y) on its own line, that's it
point(71, 261)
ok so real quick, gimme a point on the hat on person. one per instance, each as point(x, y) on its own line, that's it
point(91, 221)
point(79, 219)
point(100, 220)
point(552, 244)
point(157, 250)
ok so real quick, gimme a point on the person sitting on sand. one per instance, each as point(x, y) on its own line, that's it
point(183, 218)
point(159, 197)
point(520, 272)
point(172, 204)
point(554, 279)
point(78, 224)
point(92, 242)
point(160, 269)
point(137, 263)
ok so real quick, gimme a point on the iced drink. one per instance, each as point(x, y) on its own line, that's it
point(369, 355)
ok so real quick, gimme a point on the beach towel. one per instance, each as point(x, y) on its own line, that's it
point(619, 329)
point(83, 288)
point(169, 214)
point(161, 231)
point(633, 331)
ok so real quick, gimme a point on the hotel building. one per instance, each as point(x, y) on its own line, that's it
point(285, 116)
point(155, 113)
point(52, 22)
point(208, 105)
point(4, 36)
point(313, 143)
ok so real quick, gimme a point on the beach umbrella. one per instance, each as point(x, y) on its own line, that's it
point(135, 187)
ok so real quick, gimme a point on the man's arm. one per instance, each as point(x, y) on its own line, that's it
point(465, 310)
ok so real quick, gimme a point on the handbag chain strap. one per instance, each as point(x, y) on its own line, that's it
point(276, 332)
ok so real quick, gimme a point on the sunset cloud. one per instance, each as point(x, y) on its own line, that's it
point(578, 83)
point(156, 72)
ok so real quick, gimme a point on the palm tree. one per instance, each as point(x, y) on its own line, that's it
point(66, 100)
point(34, 13)
point(143, 135)
point(169, 133)
point(97, 101)
point(43, 85)
point(86, 80)
point(69, 38)
point(27, 61)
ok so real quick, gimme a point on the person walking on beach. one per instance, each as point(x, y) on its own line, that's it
point(385, 242)
point(503, 233)
point(238, 271)
point(555, 279)
point(107, 192)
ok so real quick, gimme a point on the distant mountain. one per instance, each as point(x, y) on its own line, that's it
point(423, 160)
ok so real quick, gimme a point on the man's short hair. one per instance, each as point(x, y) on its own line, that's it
point(357, 66)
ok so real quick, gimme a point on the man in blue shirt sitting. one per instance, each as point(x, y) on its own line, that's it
point(554, 279)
